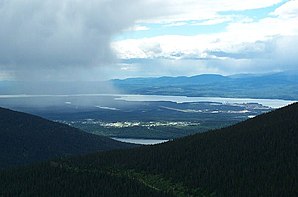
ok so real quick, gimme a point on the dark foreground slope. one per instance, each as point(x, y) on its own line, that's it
point(25, 138)
point(258, 157)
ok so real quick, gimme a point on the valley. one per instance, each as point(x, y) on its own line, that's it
point(141, 116)
point(256, 157)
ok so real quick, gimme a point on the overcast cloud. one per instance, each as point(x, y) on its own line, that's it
point(45, 39)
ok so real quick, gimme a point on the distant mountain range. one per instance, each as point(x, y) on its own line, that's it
point(282, 85)
point(257, 157)
point(25, 139)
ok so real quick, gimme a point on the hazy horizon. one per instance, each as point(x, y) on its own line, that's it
point(294, 71)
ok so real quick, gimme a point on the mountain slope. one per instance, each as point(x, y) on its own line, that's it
point(258, 157)
point(25, 138)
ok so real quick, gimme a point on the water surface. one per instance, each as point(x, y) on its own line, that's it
point(273, 103)
point(140, 141)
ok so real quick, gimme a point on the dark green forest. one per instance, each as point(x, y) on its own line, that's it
point(25, 138)
point(257, 157)
point(50, 180)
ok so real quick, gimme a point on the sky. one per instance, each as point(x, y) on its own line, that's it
point(73, 40)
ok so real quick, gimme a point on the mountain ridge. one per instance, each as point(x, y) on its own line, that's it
point(276, 85)
point(26, 138)
point(282, 85)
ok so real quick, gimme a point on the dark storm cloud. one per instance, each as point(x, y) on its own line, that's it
point(43, 37)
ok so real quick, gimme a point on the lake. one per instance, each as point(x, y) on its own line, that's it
point(273, 103)
point(140, 141)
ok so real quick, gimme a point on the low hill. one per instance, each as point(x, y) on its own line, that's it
point(258, 157)
point(25, 138)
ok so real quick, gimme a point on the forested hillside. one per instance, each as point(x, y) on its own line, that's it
point(25, 138)
point(258, 157)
